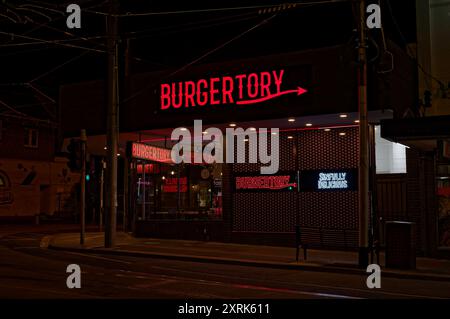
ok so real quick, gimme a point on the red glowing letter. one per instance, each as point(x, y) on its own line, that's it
point(265, 84)
point(174, 95)
point(241, 85)
point(213, 91)
point(278, 79)
point(165, 96)
point(134, 149)
point(252, 85)
point(189, 92)
point(200, 94)
point(227, 96)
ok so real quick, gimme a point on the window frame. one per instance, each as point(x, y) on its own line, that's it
point(28, 142)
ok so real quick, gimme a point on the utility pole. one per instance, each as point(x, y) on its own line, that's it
point(126, 188)
point(112, 125)
point(83, 139)
point(102, 196)
point(363, 142)
point(125, 194)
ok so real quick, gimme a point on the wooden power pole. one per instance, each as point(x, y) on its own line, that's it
point(112, 125)
point(363, 173)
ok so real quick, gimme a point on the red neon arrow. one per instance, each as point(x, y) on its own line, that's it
point(299, 91)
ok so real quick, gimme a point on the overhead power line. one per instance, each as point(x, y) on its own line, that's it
point(203, 56)
point(188, 26)
point(30, 118)
point(267, 6)
point(195, 28)
point(55, 42)
point(44, 41)
point(45, 24)
point(403, 38)
point(11, 108)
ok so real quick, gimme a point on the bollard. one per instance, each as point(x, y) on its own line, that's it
point(297, 241)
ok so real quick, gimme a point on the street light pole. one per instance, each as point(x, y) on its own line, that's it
point(102, 196)
point(363, 143)
point(112, 126)
point(83, 139)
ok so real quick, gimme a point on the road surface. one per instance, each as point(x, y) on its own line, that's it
point(29, 271)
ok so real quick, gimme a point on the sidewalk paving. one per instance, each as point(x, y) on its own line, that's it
point(239, 254)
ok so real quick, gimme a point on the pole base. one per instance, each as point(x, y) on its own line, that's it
point(363, 260)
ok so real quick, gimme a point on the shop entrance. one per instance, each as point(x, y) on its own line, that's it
point(184, 191)
point(148, 199)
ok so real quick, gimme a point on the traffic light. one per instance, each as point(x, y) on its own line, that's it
point(427, 98)
point(74, 149)
point(90, 170)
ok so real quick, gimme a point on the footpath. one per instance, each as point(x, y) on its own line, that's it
point(242, 255)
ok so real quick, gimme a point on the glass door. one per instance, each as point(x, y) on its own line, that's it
point(148, 194)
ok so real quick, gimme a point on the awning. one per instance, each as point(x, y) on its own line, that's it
point(421, 133)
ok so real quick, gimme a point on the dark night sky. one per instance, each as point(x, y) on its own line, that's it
point(168, 41)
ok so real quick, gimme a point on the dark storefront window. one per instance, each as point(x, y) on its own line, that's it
point(443, 190)
point(182, 191)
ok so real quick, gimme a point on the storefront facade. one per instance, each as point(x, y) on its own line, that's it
point(315, 188)
point(311, 97)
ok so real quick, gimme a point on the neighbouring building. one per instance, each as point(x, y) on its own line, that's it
point(33, 181)
point(426, 187)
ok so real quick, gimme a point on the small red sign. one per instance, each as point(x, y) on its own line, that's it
point(171, 185)
point(443, 191)
point(264, 182)
point(150, 153)
point(149, 169)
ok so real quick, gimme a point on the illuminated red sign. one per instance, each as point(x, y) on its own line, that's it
point(239, 89)
point(150, 153)
point(264, 182)
point(443, 191)
point(171, 185)
point(149, 169)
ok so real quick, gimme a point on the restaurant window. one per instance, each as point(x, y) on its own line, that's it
point(390, 157)
point(184, 191)
point(31, 138)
